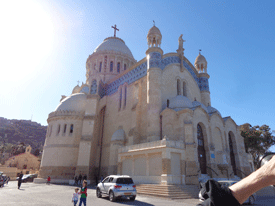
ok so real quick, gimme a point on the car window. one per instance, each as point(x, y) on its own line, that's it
point(123, 180)
point(111, 179)
point(105, 180)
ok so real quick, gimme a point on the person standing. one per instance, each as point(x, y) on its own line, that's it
point(48, 180)
point(80, 178)
point(85, 177)
point(75, 196)
point(20, 179)
point(83, 192)
point(76, 180)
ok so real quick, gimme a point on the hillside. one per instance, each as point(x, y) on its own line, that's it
point(15, 131)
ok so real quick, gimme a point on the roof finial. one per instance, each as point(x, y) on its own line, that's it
point(154, 22)
point(115, 29)
point(78, 82)
point(199, 51)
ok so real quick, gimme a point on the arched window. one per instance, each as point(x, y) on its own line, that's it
point(94, 66)
point(118, 67)
point(111, 66)
point(124, 67)
point(94, 87)
point(184, 93)
point(125, 96)
point(100, 66)
point(65, 128)
point(58, 129)
point(201, 150)
point(105, 63)
point(71, 129)
point(50, 132)
point(178, 87)
point(120, 98)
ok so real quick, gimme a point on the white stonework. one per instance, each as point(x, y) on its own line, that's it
point(150, 119)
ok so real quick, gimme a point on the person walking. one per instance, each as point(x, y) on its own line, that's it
point(80, 178)
point(20, 179)
point(75, 196)
point(83, 192)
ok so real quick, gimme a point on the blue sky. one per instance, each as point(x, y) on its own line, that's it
point(45, 45)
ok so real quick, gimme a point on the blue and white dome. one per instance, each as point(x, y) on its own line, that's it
point(180, 102)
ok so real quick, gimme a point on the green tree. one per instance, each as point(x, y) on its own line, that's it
point(257, 140)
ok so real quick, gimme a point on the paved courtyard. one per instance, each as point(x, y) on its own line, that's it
point(49, 195)
point(61, 195)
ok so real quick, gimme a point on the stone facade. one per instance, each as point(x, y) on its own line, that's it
point(143, 119)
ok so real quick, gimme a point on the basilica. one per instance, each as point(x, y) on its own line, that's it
point(151, 119)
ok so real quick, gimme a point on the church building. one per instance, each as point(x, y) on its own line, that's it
point(151, 119)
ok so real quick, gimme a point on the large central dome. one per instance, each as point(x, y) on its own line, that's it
point(114, 44)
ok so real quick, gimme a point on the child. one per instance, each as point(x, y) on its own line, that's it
point(75, 196)
point(49, 180)
point(83, 192)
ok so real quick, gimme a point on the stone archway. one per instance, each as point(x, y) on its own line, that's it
point(201, 150)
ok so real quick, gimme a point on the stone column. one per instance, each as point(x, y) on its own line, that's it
point(154, 73)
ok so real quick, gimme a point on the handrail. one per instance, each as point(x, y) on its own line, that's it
point(241, 171)
point(212, 170)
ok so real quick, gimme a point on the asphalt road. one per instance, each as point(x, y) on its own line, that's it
point(50, 195)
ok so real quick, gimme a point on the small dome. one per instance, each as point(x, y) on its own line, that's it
point(154, 37)
point(114, 44)
point(212, 110)
point(196, 104)
point(154, 31)
point(118, 135)
point(180, 102)
point(76, 89)
point(75, 102)
point(200, 59)
point(201, 63)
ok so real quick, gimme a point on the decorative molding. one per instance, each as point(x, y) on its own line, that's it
point(141, 71)
point(61, 145)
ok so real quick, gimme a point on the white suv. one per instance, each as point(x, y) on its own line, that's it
point(117, 186)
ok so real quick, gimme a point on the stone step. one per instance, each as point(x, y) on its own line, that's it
point(169, 191)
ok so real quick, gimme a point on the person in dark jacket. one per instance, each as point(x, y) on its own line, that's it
point(76, 180)
point(79, 178)
point(85, 177)
point(20, 179)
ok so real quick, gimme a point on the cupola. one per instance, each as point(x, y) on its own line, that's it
point(154, 37)
point(201, 64)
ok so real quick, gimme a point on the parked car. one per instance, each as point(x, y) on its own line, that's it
point(28, 177)
point(228, 183)
point(117, 186)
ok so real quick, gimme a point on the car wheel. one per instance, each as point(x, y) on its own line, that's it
point(112, 196)
point(133, 198)
point(251, 200)
point(98, 193)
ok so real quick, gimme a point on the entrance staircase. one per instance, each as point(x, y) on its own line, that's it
point(169, 191)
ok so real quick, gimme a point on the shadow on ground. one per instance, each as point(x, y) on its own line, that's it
point(125, 201)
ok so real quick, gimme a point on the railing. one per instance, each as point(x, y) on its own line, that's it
point(238, 170)
point(212, 170)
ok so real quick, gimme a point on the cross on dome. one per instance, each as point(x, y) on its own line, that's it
point(115, 29)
